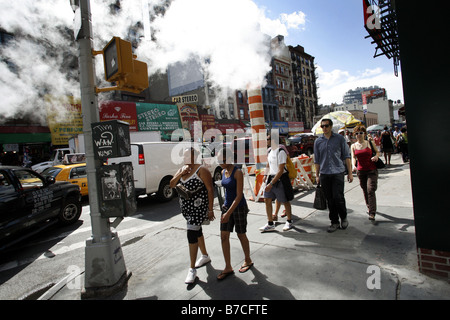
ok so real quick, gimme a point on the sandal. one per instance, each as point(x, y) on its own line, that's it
point(244, 269)
point(274, 217)
point(224, 275)
point(283, 214)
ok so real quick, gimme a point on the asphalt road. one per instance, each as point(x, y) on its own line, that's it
point(38, 262)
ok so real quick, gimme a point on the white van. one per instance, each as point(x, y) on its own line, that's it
point(153, 168)
point(155, 163)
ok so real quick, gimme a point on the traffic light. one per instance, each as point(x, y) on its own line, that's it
point(122, 67)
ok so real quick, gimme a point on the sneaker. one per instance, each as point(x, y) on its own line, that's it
point(344, 224)
point(202, 261)
point(287, 226)
point(333, 227)
point(192, 274)
point(267, 228)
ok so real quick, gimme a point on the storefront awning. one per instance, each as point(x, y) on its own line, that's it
point(9, 138)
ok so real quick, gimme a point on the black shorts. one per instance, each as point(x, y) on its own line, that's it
point(237, 221)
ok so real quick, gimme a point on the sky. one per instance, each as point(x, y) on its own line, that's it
point(333, 32)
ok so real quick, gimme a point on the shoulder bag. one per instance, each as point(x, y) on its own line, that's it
point(380, 164)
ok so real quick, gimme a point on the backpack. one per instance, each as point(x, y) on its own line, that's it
point(290, 166)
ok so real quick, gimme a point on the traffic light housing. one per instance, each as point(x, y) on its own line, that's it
point(118, 59)
point(122, 67)
point(138, 80)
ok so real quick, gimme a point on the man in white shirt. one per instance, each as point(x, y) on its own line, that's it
point(276, 161)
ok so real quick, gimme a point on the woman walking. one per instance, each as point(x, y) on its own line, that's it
point(196, 207)
point(362, 151)
point(234, 213)
point(388, 146)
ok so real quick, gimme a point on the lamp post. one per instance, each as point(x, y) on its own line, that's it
point(105, 271)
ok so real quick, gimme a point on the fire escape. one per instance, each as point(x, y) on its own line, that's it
point(381, 24)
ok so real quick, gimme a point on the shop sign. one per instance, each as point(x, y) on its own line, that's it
point(157, 117)
point(119, 110)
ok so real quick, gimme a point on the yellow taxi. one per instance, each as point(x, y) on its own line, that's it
point(73, 173)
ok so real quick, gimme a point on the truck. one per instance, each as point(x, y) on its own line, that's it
point(56, 159)
point(30, 203)
point(155, 164)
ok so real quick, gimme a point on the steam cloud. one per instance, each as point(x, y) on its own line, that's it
point(228, 37)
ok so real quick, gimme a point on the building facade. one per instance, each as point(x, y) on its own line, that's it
point(305, 86)
point(282, 76)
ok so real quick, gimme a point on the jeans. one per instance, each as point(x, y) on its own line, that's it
point(333, 185)
point(368, 180)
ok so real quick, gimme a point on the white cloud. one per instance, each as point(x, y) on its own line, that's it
point(293, 20)
point(334, 84)
point(282, 24)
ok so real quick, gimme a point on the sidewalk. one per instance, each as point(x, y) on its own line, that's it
point(365, 261)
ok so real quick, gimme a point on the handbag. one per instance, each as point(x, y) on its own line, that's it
point(185, 193)
point(320, 200)
point(379, 164)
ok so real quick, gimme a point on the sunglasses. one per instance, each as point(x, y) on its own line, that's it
point(325, 126)
point(356, 133)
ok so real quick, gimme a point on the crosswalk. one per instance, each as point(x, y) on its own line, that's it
point(69, 241)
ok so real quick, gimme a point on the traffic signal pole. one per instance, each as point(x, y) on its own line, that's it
point(105, 270)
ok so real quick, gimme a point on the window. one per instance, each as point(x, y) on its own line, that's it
point(78, 172)
point(28, 179)
point(240, 97)
point(231, 109)
point(5, 182)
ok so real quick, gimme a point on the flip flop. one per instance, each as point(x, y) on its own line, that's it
point(224, 275)
point(244, 269)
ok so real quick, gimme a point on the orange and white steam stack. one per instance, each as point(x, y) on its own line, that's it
point(259, 134)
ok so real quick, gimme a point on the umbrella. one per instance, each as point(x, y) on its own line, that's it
point(341, 119)
point(375, 127)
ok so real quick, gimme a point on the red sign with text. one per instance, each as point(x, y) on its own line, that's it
point(119, 110)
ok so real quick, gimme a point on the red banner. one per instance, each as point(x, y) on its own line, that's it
point(119, 110)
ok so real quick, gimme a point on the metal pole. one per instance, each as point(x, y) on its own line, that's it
point(104, 263)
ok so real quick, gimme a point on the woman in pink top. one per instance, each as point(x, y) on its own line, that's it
point(364, 163)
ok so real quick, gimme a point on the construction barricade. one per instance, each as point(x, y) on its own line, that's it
point(305, 177)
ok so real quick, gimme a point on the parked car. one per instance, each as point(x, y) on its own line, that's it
point(73, 173)
point(29, 203)
point(304, 143)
